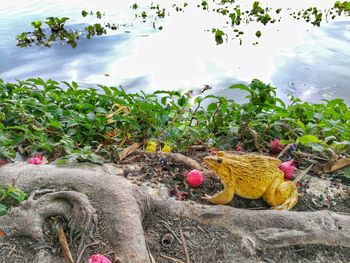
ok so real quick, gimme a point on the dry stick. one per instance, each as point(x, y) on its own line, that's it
point(185, 247)
point(255, 139)
point(150, 255)
point(171, 231)
point(173, 259)
point(302, 174)
point(130, 160)
point(284, 150)
point(311, 155)
point(188, 162)
point(84, 248)
point(13, 249)
point(98, 148)
point(64, 244)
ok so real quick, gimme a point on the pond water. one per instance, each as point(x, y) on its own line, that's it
point(309, 62)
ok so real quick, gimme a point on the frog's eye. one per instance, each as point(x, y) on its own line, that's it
point(219, 160)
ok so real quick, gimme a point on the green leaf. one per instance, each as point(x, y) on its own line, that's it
point(3, 209)
point(306, 139)
point(241, 87)
point(16, 194)
point(212, 107)
point(55, 124)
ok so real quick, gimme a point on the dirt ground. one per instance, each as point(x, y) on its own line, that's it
point(210, 244)
point(205, 243)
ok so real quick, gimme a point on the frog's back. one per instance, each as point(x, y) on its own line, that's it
point(253, 176)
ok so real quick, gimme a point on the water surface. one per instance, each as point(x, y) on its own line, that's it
point(309, 62)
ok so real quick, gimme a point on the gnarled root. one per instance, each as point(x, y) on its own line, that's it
point(121, 206)
point(267, 228)
point(27, 220)
point(119, 212)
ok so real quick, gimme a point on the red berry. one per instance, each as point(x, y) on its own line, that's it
point(239, 147)
point(276, 146)
point(194, 178)
point(3, 162)
point(288, 169)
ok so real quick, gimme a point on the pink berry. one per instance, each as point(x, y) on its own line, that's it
point(288, 169)
point(276, 146)
point(3, 162)
point(97, 258)
point(36, 160)
point(239, 147)
point(194, 178)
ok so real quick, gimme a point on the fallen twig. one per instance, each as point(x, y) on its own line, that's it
point(310, 155)
point(99, 148)
point(150, 255)
point(130, 160)
point(185, 247)
point(302, 174)
point(188, 162)
point(200, 147)
point(284, 150)
point(64, 245)
point(255, 139)
point(84, 248)
point(171, 231)
point(171, 258)
point(13, 249)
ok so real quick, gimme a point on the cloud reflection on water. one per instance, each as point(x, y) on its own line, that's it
point(312, 65)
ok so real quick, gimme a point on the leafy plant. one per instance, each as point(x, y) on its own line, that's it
point(80, 155)
point(59, 33)
point(238, 15)
point(78, 124)
point(9, 196)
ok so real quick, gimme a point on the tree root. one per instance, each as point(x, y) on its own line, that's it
point(265, 228)
point(188, 163)
point(121, 206)
point(119, 212)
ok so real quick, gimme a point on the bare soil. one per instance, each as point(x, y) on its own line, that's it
point(162, 231)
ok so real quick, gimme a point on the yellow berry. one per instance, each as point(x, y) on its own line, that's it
point(166, 149)
point(151, 148)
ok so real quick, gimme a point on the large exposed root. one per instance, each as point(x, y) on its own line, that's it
point(28, 218)
point(267, 228)
point(119, 212)
point(121, 205)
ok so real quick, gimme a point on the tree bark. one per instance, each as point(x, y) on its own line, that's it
point(121, 206)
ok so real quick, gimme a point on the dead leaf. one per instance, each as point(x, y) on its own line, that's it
point(64, 245)
point(342, 163)
point(44, 160)
point(110, 121)
point(2, 234)
point(256, 139)
point(129, 150)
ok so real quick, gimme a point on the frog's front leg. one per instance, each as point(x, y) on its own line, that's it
point(224, 197)
point(281, 195)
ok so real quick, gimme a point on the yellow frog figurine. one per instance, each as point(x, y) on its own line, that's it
point(252, 176)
